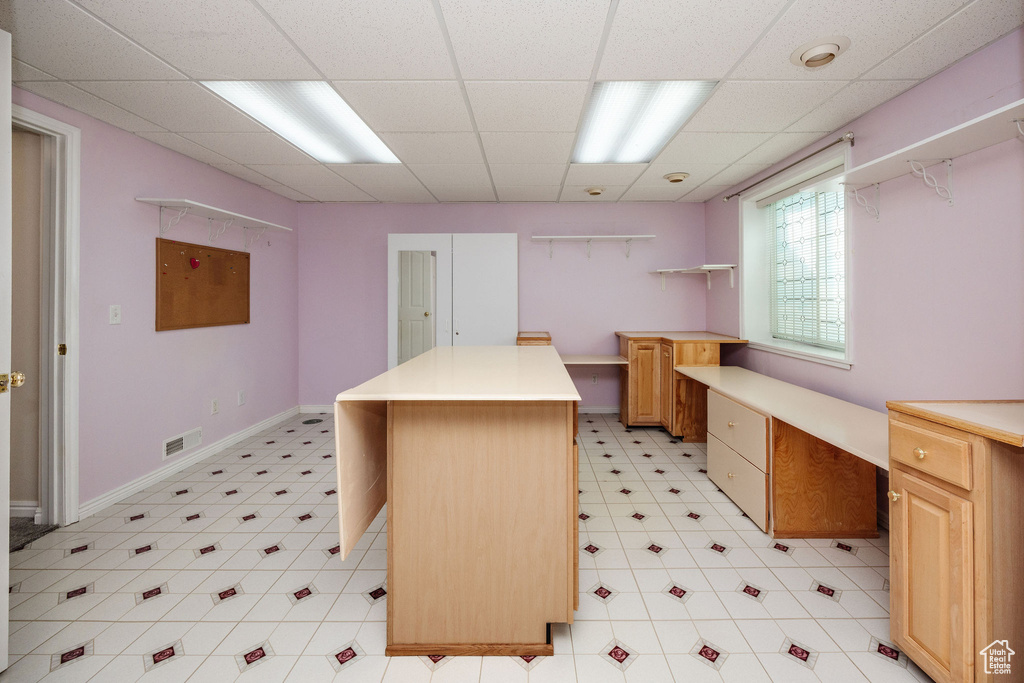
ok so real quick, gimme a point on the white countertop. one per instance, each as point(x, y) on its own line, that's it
point(592, 359)
point(472, 373)
point(856, 429)
point(1000, 420)
point(684, 336)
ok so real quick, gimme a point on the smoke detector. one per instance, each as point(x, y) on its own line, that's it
point(820, 51)
point(595, 191)
point(676, 177)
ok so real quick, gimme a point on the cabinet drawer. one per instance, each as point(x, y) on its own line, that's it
point(738, 479)
point(941, 455)
point(739, 428)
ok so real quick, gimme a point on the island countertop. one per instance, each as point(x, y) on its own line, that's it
point(472, 373)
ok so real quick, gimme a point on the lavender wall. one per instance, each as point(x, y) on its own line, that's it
point(139, 386)
point(343, 281)
point(936, 291)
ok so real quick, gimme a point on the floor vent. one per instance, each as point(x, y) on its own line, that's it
point(183, 442)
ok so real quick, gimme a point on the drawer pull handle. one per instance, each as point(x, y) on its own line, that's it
point(732, 424)
point(893, 496)
point(920, 453)
point(731, 475)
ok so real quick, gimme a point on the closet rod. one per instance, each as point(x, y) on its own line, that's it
point(846, 138)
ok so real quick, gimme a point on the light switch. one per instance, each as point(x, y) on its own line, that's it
point(115, 314)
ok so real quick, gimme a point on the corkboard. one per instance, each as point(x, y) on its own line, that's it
point(198, 286)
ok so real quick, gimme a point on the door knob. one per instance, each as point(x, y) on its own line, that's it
point(17, 379)
point(920, 453)
point(426, 314)
point(893, 496)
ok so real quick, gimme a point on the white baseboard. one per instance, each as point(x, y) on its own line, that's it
point(604, 410)
point(27, 508)
point(121, 492)
point(317, 409)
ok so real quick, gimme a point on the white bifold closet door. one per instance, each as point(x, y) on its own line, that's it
point(485, 289)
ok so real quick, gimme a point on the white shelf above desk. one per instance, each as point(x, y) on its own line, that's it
point(984, 131)
point(226, 218)
point(707, 269)
point(628, 239)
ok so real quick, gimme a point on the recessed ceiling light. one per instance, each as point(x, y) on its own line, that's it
point(594, 191)
point(676, 177)
point(629, 122)
point(820, 51)
point(310, 115)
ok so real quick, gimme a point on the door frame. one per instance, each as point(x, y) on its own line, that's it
point(58, 473)
point(441, 244)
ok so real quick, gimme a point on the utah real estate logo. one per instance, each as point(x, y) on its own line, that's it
point(997, 657)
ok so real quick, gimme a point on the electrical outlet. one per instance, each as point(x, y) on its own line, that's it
point(593, 379)
point(214, 406)
point(241, 397)
point(115, 314)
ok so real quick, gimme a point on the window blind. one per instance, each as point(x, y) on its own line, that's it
point(807, 261)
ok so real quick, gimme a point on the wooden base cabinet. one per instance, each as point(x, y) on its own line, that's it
point(956, 529)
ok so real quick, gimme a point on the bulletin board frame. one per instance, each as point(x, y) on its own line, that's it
point(200, 286)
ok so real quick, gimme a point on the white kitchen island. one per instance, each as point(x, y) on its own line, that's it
point(473, 450)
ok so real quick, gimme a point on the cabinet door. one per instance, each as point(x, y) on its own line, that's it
point(932, 568)
point(667, 395)
point(485, 289)
point(645, 383)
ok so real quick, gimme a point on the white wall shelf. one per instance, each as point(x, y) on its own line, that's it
point(252, 228)
point(984, 131)
point(628, 239)
point(707, 269)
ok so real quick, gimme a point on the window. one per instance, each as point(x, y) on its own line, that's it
point(807, 269)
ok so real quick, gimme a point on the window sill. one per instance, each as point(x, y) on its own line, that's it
point(836, 359)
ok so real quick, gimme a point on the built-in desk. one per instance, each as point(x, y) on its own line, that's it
point(801, 464)
point(473, 450)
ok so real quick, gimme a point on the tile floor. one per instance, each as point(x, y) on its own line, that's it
point(229, 570)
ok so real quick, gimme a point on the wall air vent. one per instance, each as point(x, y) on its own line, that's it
point(183, 442)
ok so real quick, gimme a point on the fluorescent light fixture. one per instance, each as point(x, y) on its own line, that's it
point(310, 115)
point(629, 122)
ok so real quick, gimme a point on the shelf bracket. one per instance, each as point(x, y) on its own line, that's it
point(223, 228)
point(732, 278)
point(663, 282)
point(1020, 129)
point(551, 249)
point(872, 209)
point(944, 191)
point(251, 236)
point(629, 245)
point(588, 249)
point(171, 222)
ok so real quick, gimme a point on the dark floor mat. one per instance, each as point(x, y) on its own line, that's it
point(23, 532)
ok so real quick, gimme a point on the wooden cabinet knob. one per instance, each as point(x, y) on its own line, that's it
point(732, 424)
point(893, 496)
point(920, 453)
point(731, 475)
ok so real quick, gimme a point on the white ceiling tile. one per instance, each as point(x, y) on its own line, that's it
point(20, 71)
point(62, 39)
point(527, 174)
point(437, 176)
point(527, 148)
point(383, 39)
point(295, 175)
point(682, 40)
point(435, 148)
point(603, 174)
point(340, 191)
point(709, 148)
point(849, 103)
point(223, 40)
point(458, 193)
point(651, 193)
point(178, 106)
point(417, 106)
point(655, 174)
point(525, 39)
point(578, 193)
point(251, 148)
point(780, 147)
point(527, 106)
point(288, 193)
point(704, 193)
point(876, 28)
point(385, 182)
point(756, 106)
point(528, 193)
point(245, 173)
point(70, 96)
point(183, 146)
point(976, 25)
point(738, 174)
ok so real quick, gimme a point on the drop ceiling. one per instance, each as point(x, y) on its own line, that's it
point(482, 100)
